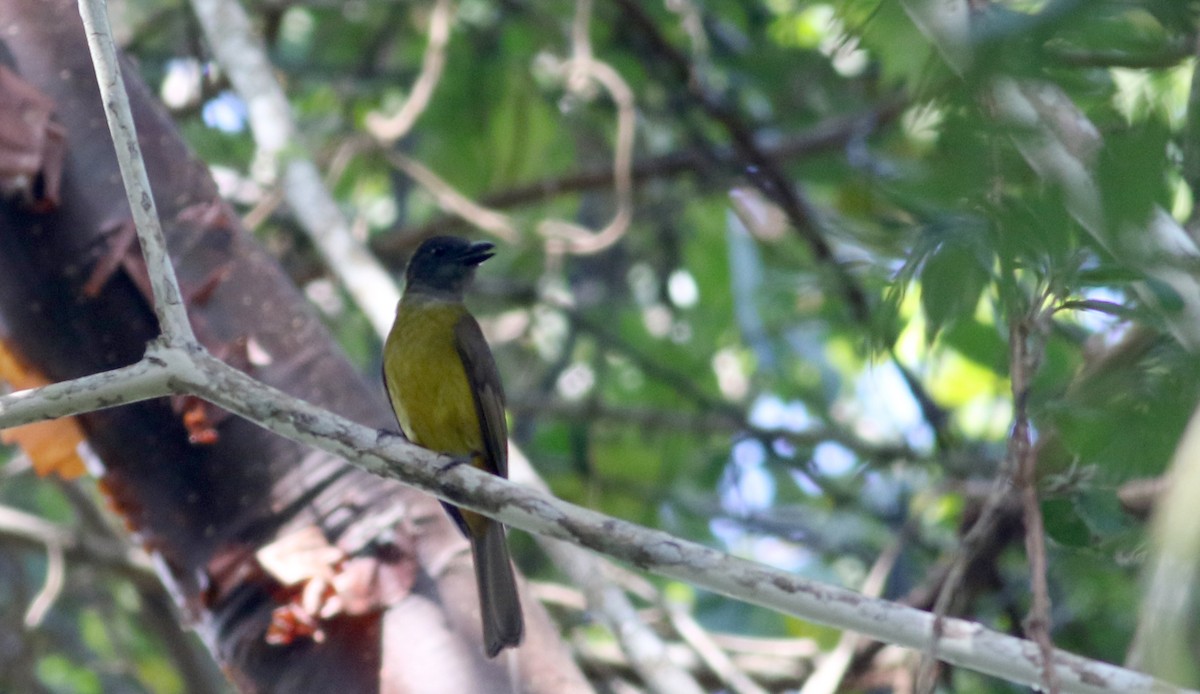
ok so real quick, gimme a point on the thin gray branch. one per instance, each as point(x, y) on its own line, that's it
point(148, 378)
point(168, 301)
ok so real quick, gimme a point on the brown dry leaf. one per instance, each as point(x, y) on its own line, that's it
point(50, 445)
point(198, 419)
point(322, 583)
point(290, 623)
point(300, 556)
point(366, 584)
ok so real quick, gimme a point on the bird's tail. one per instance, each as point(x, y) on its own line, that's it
point(503, 624)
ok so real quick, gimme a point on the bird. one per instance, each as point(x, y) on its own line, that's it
point(445, 390)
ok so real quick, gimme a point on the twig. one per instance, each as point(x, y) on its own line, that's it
point(828, 676)
point(27, 529)
point(452, 201)
point(925, 595)
point(778, 663)
point(390, 129)
point(765, 173)
point(580, 72)
point(262, 210)
point(837, 131)
point(967, 551)
point(571, 237)
point(56, 571)
point(711, 653)
point(1018, 471)
point(779, 672)
point(1026, 355)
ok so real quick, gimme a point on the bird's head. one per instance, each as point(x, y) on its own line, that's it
point(445, 264)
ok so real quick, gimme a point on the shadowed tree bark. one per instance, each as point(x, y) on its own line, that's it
point(365, 586)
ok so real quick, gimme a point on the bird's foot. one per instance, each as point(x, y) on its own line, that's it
point(454, 462)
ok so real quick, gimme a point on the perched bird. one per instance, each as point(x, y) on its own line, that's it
point(443, 385)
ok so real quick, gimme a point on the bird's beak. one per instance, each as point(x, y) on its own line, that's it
point(477, 253)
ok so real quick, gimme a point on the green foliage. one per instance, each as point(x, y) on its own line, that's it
point(61, 675)
point(903, 54)
point(1064, 525)
point(953, 275)
point(1127, 420)
point(1131, 178)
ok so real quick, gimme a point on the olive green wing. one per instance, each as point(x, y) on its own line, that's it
point(487, 390)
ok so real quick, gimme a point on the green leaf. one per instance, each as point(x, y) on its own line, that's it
point(979, 342)
point(1130, 173)
point(952, 280)
point(1127, 417)
point(1063, 524)
point(904, 54)
point(1107, 275)
point(1101, 511)
point(1166, 298)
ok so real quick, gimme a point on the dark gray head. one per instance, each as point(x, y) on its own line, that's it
point(445, 264)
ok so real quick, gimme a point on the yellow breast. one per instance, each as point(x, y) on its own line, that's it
point(426, 381)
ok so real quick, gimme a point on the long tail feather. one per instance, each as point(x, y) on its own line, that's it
point(503, 624)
